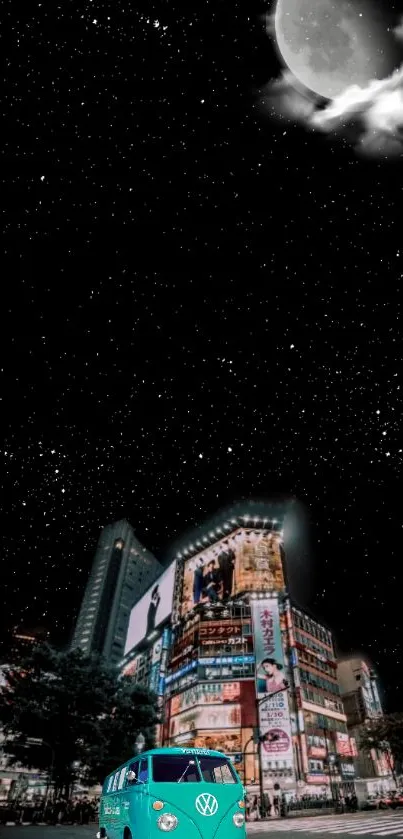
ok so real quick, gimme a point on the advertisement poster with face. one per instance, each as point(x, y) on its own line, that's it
point(151, 610)
point(274, 712)
point(248, 560)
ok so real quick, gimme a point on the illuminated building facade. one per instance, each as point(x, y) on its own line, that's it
point(245, 671)
point(325, 751)
point(122, 571)
point(359, 690)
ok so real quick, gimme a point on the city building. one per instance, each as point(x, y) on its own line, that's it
point(239, 668)
point(16, 780)
point(122, 571)
point(324, 751)
point(359, 691)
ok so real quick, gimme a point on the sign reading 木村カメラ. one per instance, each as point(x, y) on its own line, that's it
point(274, 713)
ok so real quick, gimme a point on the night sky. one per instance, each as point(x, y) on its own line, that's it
point(202, 303)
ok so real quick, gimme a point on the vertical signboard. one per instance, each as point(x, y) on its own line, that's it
point(166, 636)
point(274, 713)
point(156, 655)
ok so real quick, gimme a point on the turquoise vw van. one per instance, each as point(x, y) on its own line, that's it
point(191, 793)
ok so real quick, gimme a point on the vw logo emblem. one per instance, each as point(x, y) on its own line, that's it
point(206, 804)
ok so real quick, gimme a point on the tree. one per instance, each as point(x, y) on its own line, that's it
point(61, 710)
point(133, 713)
point(385, 734)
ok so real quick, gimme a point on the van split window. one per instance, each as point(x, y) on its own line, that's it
point(143, 770)
point(173, 768)
point(217, 770)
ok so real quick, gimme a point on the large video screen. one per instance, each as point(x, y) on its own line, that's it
point(247, 560)
point(153, 608)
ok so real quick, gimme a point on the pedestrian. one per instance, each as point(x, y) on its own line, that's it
point(276, 804)
point(86, 811)
point(254, 810)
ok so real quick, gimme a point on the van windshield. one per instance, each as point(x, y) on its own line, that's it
point(185, 769)
point(172, 769)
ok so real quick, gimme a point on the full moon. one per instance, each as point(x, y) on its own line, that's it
point(329, 46)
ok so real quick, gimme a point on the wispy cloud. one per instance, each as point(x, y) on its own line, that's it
point(398, 30)
point(376, 111)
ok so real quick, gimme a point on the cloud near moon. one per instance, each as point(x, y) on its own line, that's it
point(372, 114)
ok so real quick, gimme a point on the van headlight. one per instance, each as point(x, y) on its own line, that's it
point(167, 822)
point(238, 819)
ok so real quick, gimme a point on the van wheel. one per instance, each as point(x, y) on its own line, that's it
point(127, 834)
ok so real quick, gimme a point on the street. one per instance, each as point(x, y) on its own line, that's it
point(385, 823)
point(362, 825)
point(45, 832)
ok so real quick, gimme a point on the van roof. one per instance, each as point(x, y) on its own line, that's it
point(183, 750)
point(176, 750)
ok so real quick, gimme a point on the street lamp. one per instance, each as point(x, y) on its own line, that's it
point(139, 743)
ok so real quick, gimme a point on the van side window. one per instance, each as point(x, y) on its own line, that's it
point(115, 782)
point(143, 770)
point(109, 785)
point(122, 777)
point(134, 767)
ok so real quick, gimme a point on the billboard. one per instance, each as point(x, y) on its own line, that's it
point(218, 693)
point(343, 745)
point(130, 669)
point(369, 694)
point(229, 741)
point(216, 634)
point(316, 746)
point(153, 608)
point(207, 694)
point(202, 717)
point(247, 560)
point(274, 713)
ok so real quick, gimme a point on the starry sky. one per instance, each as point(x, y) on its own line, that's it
point(202, 304)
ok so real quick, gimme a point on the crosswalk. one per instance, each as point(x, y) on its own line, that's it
point(370, 824)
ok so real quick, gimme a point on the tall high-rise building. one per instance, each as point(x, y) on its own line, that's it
point(359, 690)
point(122, 571)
